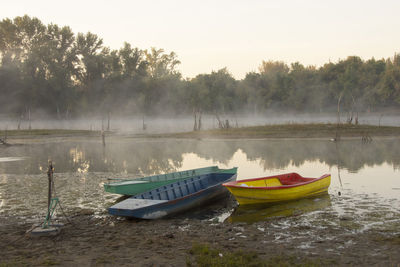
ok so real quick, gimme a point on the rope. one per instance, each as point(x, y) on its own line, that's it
point(59, 204)
point(19, 238)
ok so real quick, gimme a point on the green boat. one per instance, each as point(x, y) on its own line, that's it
point(135, 186)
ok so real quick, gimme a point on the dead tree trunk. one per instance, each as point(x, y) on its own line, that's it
point(337, 135)
point(220, 124)
point(143, 124)
point(199, 123)
point(195, 121)
point(338, 108)
point(19, 122)
point(29, 118)
point(108, 121)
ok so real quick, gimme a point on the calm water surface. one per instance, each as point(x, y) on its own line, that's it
point(364, 193)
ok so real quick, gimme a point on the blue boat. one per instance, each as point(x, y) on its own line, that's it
point(174, 198)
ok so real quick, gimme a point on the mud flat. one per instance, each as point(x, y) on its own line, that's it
point(197, 238)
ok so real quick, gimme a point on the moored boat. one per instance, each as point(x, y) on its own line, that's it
point(277, 188)
point(135, 186)
point(175, 197)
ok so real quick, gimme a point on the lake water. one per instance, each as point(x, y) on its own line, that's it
point(364, 193)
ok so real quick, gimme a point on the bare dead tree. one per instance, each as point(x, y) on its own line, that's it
point(337, 135)
point(29, 118)
point(380, 117)
point(144, 126)
point(199, 123)
point(227, 126)
point(108, 121)
point(356, 119)
point(19, 122)
point(197, 114)
point(220, 124)
point(195, 120)
point(338, 107)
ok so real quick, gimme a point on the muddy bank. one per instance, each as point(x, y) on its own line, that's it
point(110, 241)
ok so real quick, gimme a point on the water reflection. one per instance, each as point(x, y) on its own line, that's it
point(85, 164)
point(146, 157)
point(257, 213)
point(9, 159)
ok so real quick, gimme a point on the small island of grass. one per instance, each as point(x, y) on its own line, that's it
point(293, 131)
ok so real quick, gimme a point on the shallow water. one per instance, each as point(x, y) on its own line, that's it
point(367, 177)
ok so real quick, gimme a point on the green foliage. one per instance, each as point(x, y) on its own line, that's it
point(49, 68)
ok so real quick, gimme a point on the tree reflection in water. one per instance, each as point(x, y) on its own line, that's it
point(152, 156)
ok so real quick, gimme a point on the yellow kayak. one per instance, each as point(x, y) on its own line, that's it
point(277, 188)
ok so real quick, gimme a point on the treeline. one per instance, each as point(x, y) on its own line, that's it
point(49, 68)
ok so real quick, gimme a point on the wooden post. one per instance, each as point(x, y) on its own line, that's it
point(50, 176)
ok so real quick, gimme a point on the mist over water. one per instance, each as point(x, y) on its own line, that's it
point(171, 124)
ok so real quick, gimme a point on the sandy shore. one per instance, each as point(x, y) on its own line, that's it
point(109, 241)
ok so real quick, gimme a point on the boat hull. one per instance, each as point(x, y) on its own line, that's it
point(132, 187)
point(147, 208)
point(278, 193)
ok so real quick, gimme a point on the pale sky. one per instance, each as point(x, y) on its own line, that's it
point(237, 34)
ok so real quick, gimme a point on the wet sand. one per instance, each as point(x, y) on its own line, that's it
point(89, 240)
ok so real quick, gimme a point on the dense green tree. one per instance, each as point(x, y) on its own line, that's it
point(388, 88)
point(49, 68)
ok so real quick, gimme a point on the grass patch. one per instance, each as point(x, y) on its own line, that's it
point(292, 131)
point(393, 240)
point(105, 259)
point(206, 256)
point(13, 263)
point(46, 132)
point(49, 262)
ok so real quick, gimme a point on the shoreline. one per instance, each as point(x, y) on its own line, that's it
point(187, 241)
point(281, 131)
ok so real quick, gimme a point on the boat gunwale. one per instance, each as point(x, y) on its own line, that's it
point(213, 169)
point(234, 183)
